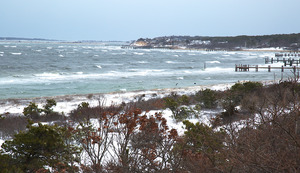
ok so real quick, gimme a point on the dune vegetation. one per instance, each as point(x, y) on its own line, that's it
point(256, 129)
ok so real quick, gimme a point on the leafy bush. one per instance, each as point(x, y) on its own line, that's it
point(208, 98)
point(174, 103)
point(246, 87)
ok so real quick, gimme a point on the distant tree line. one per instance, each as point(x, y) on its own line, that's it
point(288, 41)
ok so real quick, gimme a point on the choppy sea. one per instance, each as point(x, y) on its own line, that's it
point(37, 69)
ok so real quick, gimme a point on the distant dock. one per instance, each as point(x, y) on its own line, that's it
point(295, 54)
point(289, 61)
point(241, 67)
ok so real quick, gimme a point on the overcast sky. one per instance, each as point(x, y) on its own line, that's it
point(131, 19)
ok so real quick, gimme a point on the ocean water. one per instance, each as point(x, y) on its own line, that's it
point(31, 69)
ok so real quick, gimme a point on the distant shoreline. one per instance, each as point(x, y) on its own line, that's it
point(266, 49)
point(271, 49)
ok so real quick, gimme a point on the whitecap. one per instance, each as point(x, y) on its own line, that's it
point(96, 55)
point(142, 62)
point(49, 47)
point(207, 78)
point(38, 50)
point(80, 72)
point(157, 70)
point(47, 74)
point(6, 46)
point(13, 46)
point(170, 62)
point(187, 71)
point(123, 89)
point(138, 53)
point(180, 78)
point(176, 55)
point(16, 53)
point(219, 69)
point(98, 66)
point(192, 54)
point(1, 52)
point(60, 55)
point(213, 62)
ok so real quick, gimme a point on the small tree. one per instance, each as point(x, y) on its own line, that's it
point(32, 111)
point(48, 107)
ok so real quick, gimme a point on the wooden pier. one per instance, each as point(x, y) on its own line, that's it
point(241, 67)
point(289, 61)
point(294, 54)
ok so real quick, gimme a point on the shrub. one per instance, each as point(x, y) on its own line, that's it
point(41, 146)
point(48, 107)
point(12, 124)
point(208, 98)
point(32, 111)
point(246, 87)
point(174, 103)
point(201, 148)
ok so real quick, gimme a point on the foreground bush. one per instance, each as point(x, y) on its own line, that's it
point(39, 148)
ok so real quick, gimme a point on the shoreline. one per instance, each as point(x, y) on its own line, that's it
point(269, 49)
point(67, 103)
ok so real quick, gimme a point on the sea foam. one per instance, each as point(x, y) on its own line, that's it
point(18, 53)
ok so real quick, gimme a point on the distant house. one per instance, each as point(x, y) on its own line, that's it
point(200, 42)
point(140, 43)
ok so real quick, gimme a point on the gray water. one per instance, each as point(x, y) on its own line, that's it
point(29, 69)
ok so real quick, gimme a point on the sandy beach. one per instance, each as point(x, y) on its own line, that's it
point(67, 103)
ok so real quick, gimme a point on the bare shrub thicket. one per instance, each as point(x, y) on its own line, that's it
point(270, 140)
point(11, 124)
point(126, 142)
point(84, 112)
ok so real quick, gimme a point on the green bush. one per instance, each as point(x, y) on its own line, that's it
point(48, 107)
point(32, 111)
point(39, 147)
point(208, 98)
point(175, 105)
point(246, 87)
